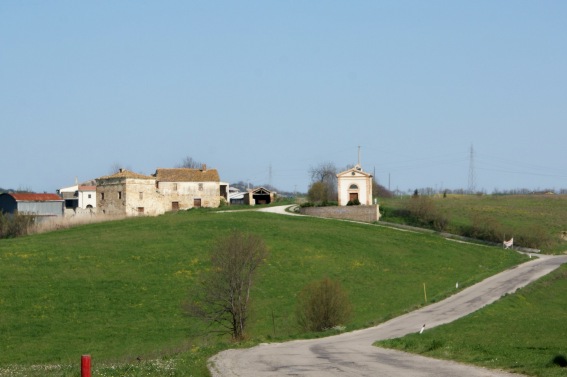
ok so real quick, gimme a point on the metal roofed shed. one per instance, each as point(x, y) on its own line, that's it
point(40, 205)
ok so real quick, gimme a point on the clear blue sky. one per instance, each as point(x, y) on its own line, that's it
point(253, 87)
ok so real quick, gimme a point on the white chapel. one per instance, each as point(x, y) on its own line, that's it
point(354, 184)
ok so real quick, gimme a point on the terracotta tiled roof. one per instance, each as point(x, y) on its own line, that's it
point(87, 188)
point(32, 197)
point(127, 174)
point(187, 175)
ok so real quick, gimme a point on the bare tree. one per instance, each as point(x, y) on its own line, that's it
point(189, 162)
point(326, 174)
point(114, 168)
point(380, 191)
point(223, 297)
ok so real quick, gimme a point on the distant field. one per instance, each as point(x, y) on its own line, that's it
point(518, 215)
point(524, 333)
point(115, 290)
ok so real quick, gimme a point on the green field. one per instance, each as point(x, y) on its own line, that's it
point(115, 290)
point(528, 217)
point(523, 333)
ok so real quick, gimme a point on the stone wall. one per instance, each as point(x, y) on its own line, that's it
point(367, 214)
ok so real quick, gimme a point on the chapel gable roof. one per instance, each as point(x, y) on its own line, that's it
point(187, 175)
point(355, 171)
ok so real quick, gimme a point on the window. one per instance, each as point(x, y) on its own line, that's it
point(140, 209)
point(102, 196)
point(89, 196)
point(175, 187)
point(119, 194)
point(141, 195)
point(353, 187)
point(200, 187)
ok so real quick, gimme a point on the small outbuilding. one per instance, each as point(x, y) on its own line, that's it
point(259, 195)
point(41, 206)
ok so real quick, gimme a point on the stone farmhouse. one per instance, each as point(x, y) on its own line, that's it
point(132, 194)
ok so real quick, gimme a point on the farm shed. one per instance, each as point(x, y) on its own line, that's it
point(259, 195)
point(39, 205)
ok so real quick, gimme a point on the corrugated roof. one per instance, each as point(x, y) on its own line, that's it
point(32, 197)
point(127, 174)
point(187, 175)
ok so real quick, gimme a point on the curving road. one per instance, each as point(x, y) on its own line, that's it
point(352, 354)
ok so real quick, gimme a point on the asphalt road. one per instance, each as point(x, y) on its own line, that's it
point(352, 354)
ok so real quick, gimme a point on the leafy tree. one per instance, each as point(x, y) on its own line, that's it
point(223, 297)
point(323, 305)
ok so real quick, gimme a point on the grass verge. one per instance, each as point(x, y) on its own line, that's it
point(523, 333)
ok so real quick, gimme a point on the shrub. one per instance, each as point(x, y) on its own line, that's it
point(484, 227)
point(422, 211)
point(354, 202)
point(318, 192)
point(323, 305)
point(15, 226)
point(536, 237)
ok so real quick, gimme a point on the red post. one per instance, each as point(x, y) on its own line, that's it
point(86, 366)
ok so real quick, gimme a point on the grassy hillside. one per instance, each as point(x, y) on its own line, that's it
point(525, 332)
point(542, 217)
point(115, 290)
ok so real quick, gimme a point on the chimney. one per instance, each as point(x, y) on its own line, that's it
point(120, 170)
point(204, 167)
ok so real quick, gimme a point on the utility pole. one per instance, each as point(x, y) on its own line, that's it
point(472, 183)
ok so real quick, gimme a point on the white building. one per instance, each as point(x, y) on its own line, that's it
point(87, 197)
point(78, 197)
point(354, 185)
